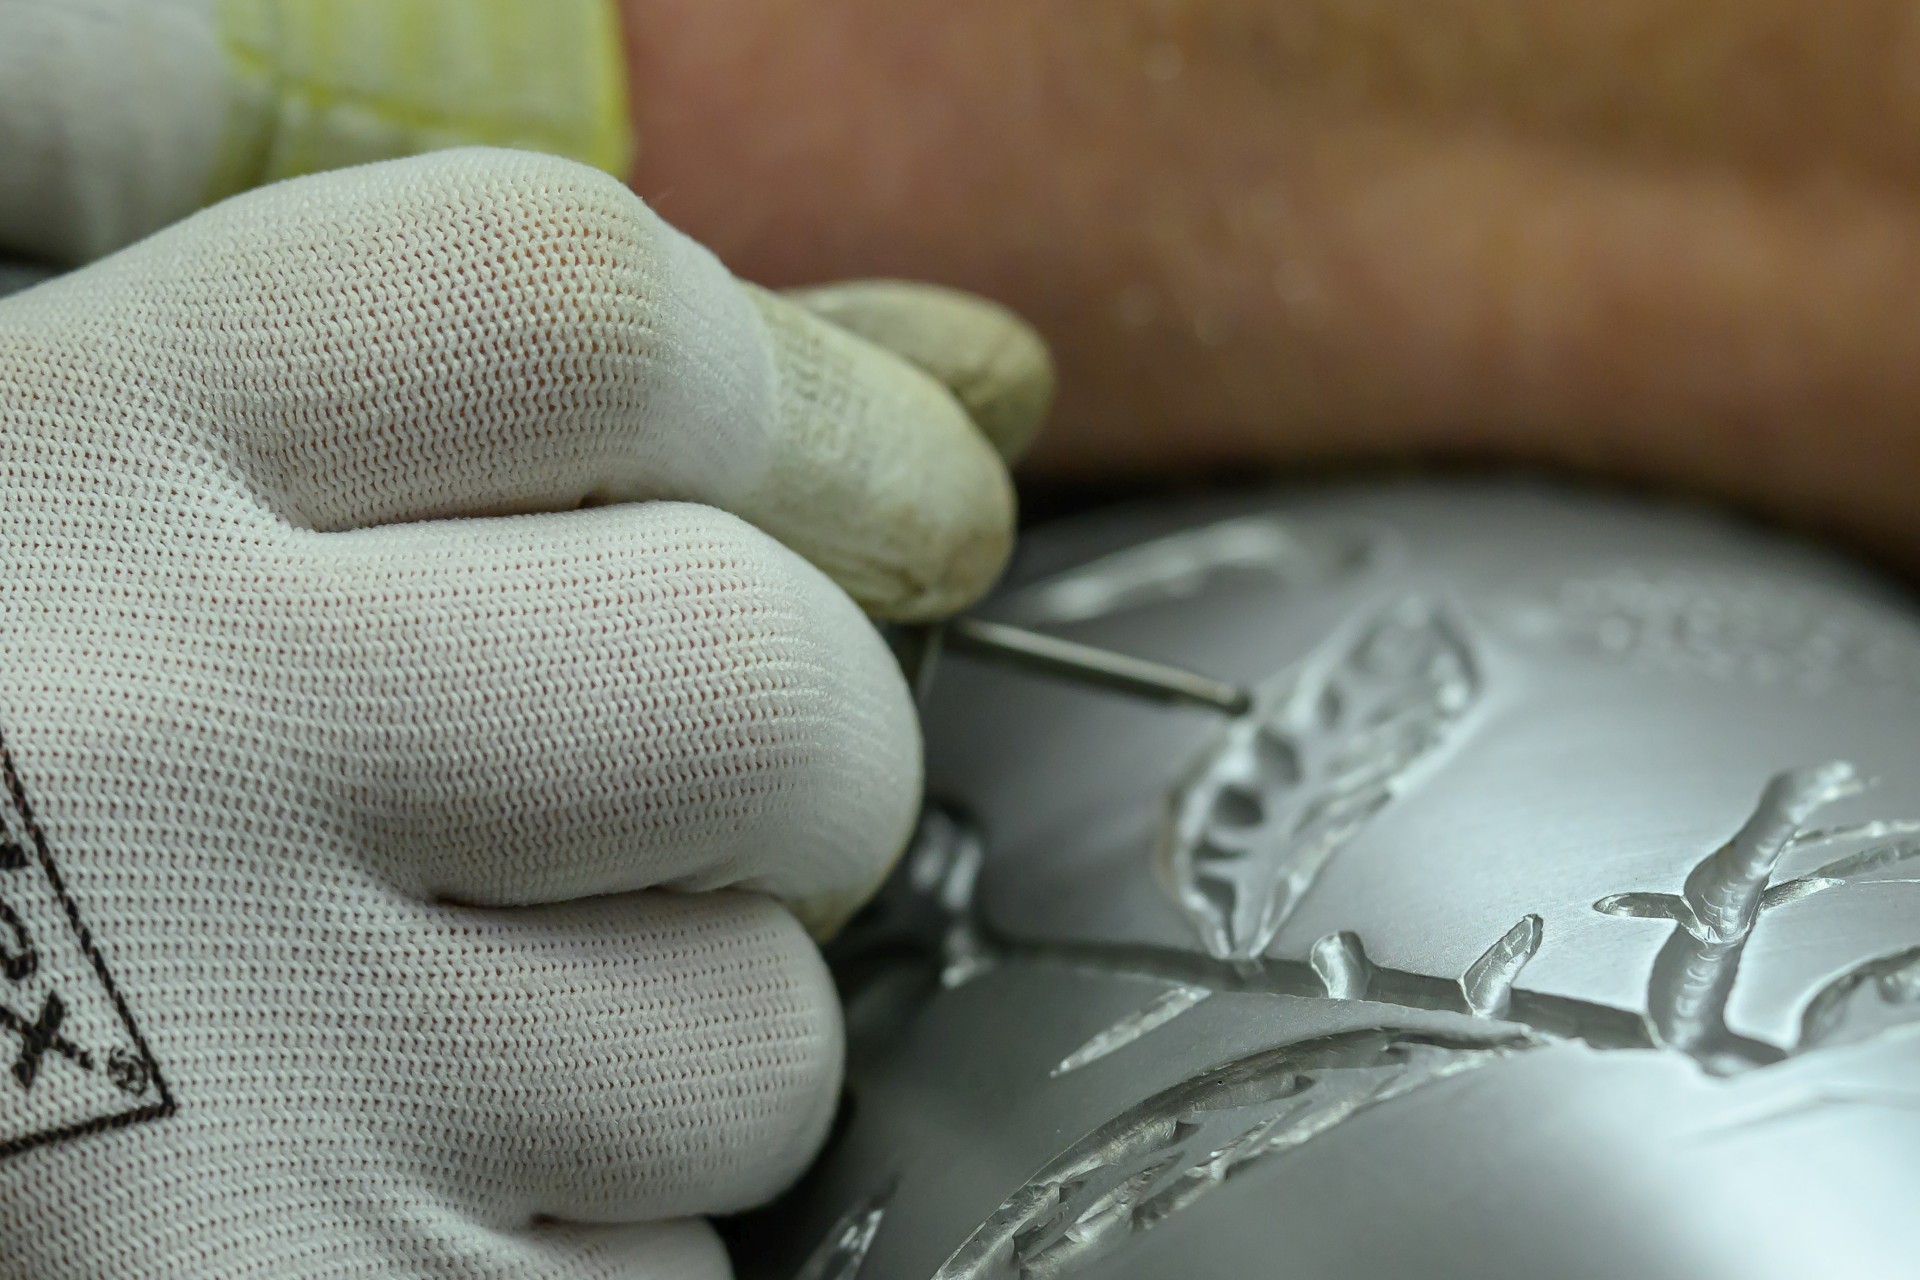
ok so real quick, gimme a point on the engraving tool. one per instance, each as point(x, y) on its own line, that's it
point(1045, 655)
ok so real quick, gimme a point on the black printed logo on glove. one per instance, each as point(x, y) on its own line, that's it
point(71, 1059)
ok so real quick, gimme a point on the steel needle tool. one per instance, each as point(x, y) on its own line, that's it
point(1065, 659)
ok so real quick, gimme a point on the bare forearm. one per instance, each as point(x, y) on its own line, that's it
point(1677, 244)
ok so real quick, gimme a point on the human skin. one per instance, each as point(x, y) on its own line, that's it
point(1671, 241)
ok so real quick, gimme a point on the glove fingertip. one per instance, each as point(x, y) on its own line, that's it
point(877, 476)
point(995, 364)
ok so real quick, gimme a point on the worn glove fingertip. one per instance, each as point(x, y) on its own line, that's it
point(877, 475)
point(993, 362)
point(965, 558)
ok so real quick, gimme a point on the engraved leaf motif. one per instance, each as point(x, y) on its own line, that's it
point(1164, 1008)
point(1167, 1152)
point(1288, 786)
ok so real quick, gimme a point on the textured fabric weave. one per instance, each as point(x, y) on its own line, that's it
point(441, 858)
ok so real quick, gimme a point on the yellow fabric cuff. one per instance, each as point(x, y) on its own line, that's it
point(320, 84)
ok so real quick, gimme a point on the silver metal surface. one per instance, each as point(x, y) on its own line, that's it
point(1553, 910)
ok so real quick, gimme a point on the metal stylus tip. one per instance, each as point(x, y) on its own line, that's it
point(1052, 656)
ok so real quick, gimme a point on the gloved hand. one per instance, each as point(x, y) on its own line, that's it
point(391, 885)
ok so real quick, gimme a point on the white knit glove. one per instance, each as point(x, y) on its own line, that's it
point(387, 892)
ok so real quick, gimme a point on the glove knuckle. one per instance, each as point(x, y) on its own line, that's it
point(528, 248)
point(836, 711)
